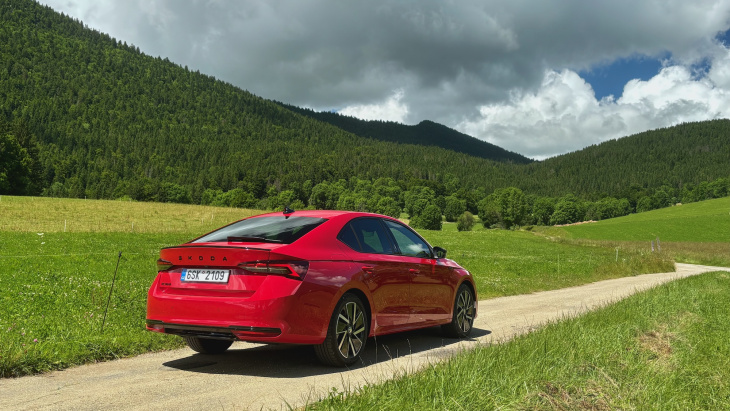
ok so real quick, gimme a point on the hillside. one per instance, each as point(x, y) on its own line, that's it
point(425, 133)
point(86, 115)
point(111, 121)
point(686, 154)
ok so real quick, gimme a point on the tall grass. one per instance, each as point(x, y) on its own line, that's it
point(665, 349)
point(54, 285)
point(54, 289)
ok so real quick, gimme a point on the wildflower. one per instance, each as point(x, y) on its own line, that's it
point(35, 340)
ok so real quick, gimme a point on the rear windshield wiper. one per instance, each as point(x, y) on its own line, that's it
point(234, 239)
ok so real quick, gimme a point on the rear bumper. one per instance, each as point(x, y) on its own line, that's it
point(301, 316)
point(231, 333)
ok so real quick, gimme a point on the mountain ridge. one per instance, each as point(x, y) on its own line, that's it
point(425, 133)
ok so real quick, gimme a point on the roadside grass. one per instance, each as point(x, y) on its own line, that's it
point(517, 262)
point(53, 292)
point(54, 284)
point(696, 233)
point(666, 349)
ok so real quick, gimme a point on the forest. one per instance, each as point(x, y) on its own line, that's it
point(85, 115)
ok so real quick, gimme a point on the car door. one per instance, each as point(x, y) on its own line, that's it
point(382, 272)
point(430, 286)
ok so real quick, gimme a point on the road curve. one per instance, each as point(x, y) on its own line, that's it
point(252, 376)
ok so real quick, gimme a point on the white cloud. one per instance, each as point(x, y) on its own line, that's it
point(392, 109)
point(563, 115)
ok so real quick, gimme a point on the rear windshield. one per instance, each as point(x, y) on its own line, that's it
point(263, 229)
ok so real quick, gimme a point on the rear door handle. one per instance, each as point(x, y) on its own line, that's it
point(368, 269)
point(414, 270)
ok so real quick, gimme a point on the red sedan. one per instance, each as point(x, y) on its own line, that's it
point(326, 278)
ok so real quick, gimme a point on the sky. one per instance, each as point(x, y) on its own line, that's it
point(540, 78)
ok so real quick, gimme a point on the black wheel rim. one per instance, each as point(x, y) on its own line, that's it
point(465, 311)
point(350, 330)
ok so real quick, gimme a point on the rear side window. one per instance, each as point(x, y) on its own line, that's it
point(366, 235)
point(264, 229)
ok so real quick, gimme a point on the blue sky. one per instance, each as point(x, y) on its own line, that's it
point(524, 75)
point(611, 78)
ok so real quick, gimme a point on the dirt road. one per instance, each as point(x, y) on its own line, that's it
point(251, 376)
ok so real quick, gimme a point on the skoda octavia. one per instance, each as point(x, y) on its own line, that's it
point(330, 279)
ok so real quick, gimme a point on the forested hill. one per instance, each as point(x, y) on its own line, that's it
point(111, 121)
point(426, 133)
point(683, 155)
point(86, 115)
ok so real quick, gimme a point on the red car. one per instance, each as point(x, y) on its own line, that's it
point(326, 278)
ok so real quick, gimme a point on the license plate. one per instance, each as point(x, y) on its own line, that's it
point(204, 275)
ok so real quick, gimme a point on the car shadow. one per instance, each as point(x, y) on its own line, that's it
point(294, 361)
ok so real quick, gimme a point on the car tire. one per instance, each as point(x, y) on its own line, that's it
point(207, 345)
point(347, 333)
point(464, 309)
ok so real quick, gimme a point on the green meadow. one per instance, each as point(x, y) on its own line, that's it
point(664, 349)
point(703, 222)
point(517, 262)
point(696, 233)
point(58, 258)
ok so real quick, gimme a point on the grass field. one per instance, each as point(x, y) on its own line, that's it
point(665, 349)
point(54, 282)
point(696, 233)
point(52, 215)
point(703, 222)
point(54, 285)
point(518, 262)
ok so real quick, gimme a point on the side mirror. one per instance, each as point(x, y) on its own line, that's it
point(440, 252)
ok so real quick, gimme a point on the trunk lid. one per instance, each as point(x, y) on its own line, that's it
point(225, 271)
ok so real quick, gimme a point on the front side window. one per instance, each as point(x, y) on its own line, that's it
point(264, 229)
point(366, 235)
point(410, 243)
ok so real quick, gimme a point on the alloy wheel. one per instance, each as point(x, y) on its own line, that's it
point(350, 330)
point(465, 311)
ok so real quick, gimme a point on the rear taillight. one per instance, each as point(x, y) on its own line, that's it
point(163, 265)
point(291, 269)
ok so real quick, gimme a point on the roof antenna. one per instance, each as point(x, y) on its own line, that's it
point(288, 211)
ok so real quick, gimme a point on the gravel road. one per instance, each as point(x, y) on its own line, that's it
point(252, 376)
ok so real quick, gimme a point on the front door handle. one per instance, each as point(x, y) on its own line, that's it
point(414, 271)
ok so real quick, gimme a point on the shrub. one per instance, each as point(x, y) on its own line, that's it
point(429, 219)
point(465, 222)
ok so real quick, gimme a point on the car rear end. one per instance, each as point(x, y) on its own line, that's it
point(234, 287)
